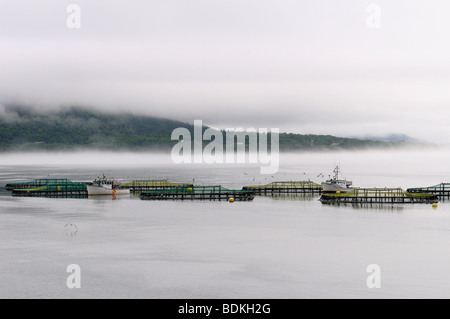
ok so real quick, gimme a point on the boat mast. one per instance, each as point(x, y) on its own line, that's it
point(336, 173)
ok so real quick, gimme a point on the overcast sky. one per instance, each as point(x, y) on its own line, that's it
point(301, 66)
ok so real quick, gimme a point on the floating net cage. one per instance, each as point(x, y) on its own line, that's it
point(379, 195)
point(64, 189)
point(200, 193)
point(153, 183)
point(438, 189)
point(288, 184)
point(70, 187)
point(38, 184)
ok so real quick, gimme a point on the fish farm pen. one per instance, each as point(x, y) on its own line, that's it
point(210, 193)
point(138, 186)
point(379, 196)
point(39, 183)
point(61, 190)
point(441, 190)
point(279, 188)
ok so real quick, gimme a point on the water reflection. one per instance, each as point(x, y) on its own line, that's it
point(293, 197)
point(376, 206)
point(273, 247)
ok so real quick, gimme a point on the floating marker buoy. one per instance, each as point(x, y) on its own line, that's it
point(189, 189)
point(231, 200)
point(338, 192)
point(435, 205)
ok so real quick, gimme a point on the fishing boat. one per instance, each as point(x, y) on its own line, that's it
point(335, 184)
point(106, 186)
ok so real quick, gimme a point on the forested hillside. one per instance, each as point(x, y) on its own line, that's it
point(76, 128)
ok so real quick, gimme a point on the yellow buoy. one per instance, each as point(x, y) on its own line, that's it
point(338, 192)
point(58, 188)
point(435, 205)
point(189, 189)
point(231, 200)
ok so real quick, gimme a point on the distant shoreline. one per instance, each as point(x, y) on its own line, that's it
point(24, 130)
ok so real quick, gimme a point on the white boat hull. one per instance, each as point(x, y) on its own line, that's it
point(333, 188)
point(95, 190)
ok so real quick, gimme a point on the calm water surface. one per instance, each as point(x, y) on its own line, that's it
point(268, 248)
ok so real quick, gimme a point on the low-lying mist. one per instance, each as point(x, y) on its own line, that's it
point(365, 168)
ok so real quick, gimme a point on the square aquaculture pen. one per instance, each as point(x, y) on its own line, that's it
point(211, 193)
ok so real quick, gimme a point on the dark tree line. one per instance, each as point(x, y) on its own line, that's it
point(81, 128)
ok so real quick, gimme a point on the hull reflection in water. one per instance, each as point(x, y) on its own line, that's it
point(98, 191)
